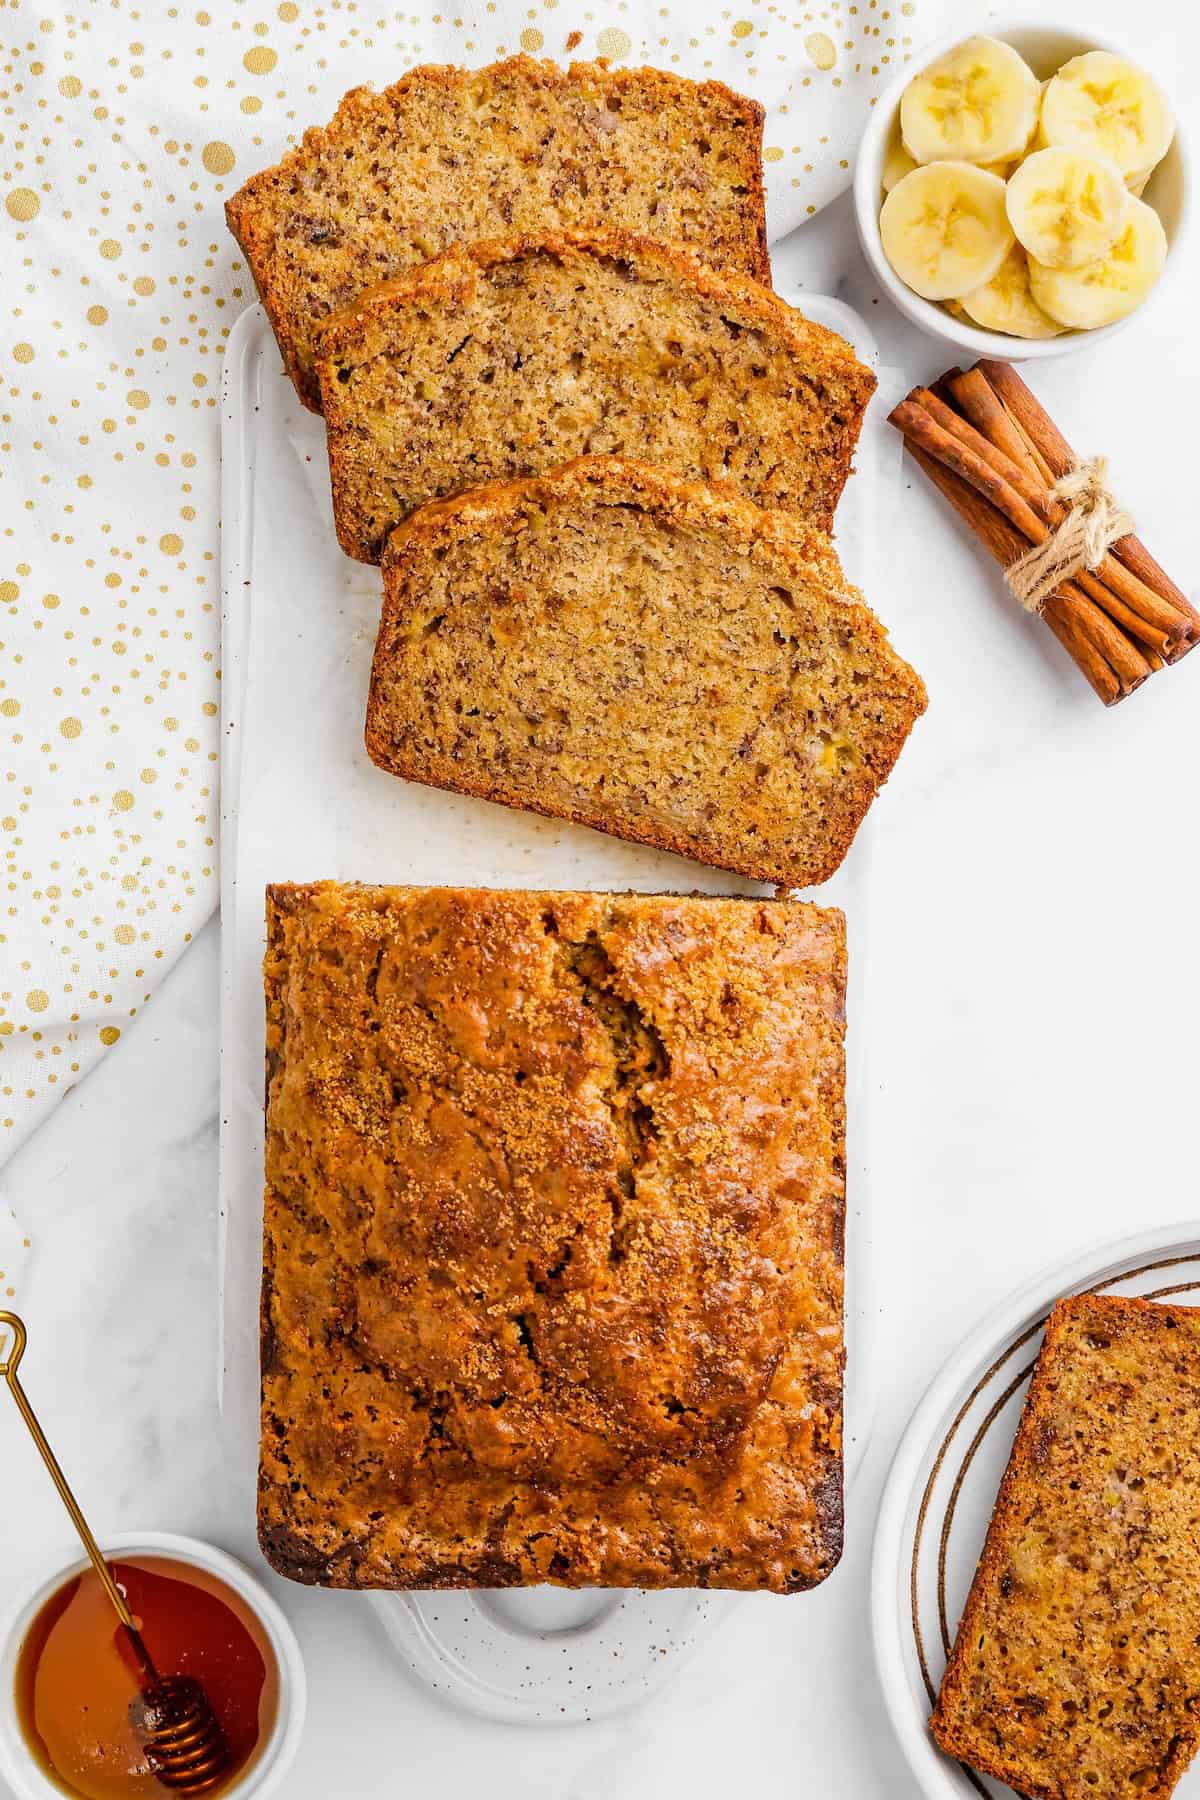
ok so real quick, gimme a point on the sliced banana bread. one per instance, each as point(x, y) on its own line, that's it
point(505, 359)
point(449, 154)
point(661, 660)
point(1076, 1671)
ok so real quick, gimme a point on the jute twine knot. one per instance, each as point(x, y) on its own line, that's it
point(1094, 521)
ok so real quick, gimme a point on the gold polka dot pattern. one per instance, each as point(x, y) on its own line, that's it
point(125, 128)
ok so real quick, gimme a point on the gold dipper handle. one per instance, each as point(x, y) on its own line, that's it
point(8, 1369)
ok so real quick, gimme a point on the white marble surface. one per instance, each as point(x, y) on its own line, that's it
point(1034, 992)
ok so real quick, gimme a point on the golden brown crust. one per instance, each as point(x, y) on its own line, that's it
point(553, 1239)
point(255, 214)
point(1085, 1587)
point(709, 506)
point(759, 388)
point(452, 271)
point(255, 235)
point(804, 853)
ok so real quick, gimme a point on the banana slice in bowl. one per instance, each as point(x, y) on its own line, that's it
point(945, 229)
point(1075, 132)
point(1006, 302)
point(977, 103)
point(1104, 105)
point(1107, 290)
point(1066, 208)
point(896, 164)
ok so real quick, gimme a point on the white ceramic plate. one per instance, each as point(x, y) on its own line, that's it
point(301, 801)
point(942, 1486)
point(546, 1656)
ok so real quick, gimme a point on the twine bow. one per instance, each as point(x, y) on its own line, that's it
point(1094, 521)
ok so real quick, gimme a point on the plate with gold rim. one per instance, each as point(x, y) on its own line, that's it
point(939, 1495)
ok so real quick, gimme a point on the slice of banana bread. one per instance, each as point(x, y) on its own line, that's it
point(661, 660)
point(1076, 1671)
point(552, 1284)
point(506, 359)
point(450, 154)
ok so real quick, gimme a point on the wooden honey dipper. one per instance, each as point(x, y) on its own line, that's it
point(172, 1716)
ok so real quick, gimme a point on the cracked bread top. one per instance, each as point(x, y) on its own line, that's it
point(504, 359)
point(448, 154)
point(1075, 1674)
point(553, 1239)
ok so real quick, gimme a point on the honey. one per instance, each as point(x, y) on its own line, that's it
point(76, 1677)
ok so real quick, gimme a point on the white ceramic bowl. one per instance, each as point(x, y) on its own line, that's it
point(1045, 48)
point(273, 1758)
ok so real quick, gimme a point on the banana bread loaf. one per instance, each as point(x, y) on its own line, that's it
point(448, 154)
point(553, 1239)
point(506, 359)
point(658, 659)
point(1076, 1671)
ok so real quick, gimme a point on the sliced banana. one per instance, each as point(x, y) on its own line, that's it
point(1066, 208)
point(1137, 183)
point(945, 230)
point(1039, 140)
point(1005, 303)
point(1103, 105)
point(978, 103)
point(1102, 292)
point(896, 164)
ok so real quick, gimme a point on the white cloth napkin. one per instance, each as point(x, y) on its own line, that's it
point(127, 128)
point(15, 1249)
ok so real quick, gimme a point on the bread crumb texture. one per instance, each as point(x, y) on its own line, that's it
point(658, 659)
point(506, 359)
point(1076, 1671)
point(553, 1239)
point(450, 154)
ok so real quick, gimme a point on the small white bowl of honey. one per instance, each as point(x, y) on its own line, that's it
point(66, 1687)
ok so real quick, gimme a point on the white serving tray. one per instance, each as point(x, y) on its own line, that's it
point(300, 801)
point(943, 1484)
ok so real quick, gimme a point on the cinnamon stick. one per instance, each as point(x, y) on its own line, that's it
point(979, 402)
point(1048, 441)
point(993, 452)
point(1062, 610)
point(1157, 625)
point(1124, 658)
point(927, 421)
point(1032, 417)
point(1088, 659)
point(1135, 597)
point(1150, 636)
point(1137, 559)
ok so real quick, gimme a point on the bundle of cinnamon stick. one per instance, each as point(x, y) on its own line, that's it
point(986, 443)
